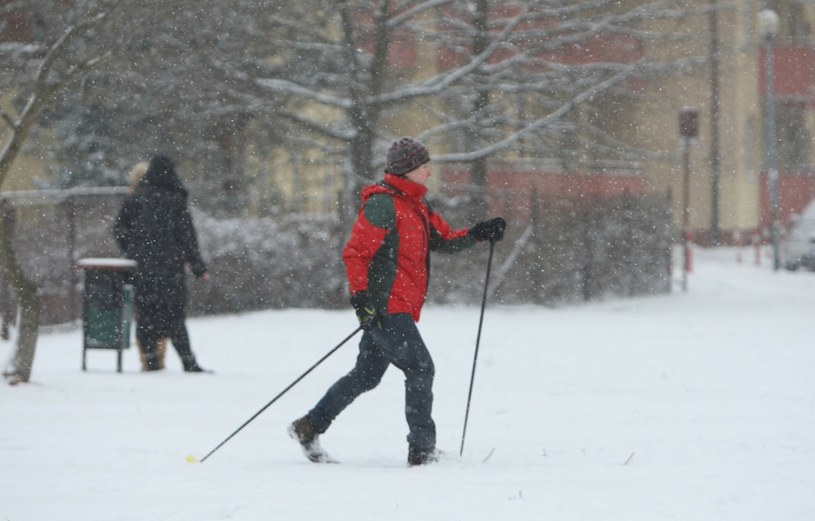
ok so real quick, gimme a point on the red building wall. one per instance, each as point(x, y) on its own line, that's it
point(794, 78)
point(515, 193)
point(794, 72)
point(795, 192)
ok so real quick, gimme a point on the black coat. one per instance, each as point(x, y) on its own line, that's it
point(154, 228)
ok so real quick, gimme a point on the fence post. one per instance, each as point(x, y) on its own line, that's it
point(73, 292)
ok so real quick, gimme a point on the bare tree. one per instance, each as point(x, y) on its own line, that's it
point(52, 72)
point(553, 80)
point(504, 78)
point(533, 79)
point(166, 92)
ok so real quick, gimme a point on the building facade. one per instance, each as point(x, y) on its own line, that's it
point(729, 182)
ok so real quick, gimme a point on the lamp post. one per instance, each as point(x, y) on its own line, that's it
point(715, 106)
point(688, 131)
point(768, 25)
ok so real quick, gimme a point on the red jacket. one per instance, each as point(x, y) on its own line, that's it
point(388, 253)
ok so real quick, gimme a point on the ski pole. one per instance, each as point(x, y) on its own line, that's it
point(284, 391)
point(477, 342)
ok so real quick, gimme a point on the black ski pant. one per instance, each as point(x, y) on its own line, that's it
point(396, 342)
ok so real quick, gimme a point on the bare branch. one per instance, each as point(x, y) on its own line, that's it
point(565, 108)
point(8, 119)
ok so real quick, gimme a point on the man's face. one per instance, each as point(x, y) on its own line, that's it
point(419, 175)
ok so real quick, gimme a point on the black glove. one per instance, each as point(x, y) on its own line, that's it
point(367, 314)
point(492, 230)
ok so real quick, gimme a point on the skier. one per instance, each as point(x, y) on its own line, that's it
point(387, 261)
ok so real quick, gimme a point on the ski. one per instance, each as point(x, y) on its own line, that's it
point(488, 456)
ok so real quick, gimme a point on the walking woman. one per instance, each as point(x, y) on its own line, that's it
point(154, 228)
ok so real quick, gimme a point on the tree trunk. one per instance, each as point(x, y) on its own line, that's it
point(19, 368)
point(478, 174)
point(478, 168)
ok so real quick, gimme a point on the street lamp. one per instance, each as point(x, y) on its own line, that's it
point(768, 25)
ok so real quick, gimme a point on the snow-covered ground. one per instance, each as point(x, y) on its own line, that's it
point(690, 406)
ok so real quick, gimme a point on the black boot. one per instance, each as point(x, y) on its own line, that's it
point(191, 366)
point(422, 456)
point(151, 362)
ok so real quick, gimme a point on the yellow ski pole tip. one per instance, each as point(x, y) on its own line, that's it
point(191, 459)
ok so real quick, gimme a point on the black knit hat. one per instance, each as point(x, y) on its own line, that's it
point(406, 155)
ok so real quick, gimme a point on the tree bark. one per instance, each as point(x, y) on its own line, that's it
point(19, 367)
point(478, 168)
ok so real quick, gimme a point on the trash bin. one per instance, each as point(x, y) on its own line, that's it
point(107, 306)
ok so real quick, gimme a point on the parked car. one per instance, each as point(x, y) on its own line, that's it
point(799, 250)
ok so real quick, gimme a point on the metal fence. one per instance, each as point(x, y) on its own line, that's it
point(51, 230)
